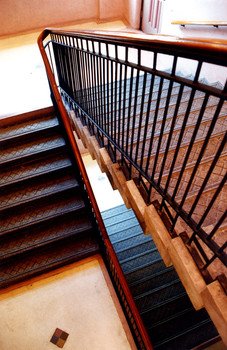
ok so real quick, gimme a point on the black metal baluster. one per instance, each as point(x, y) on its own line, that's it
point(154, 122)
point(141, 116)
point(217, 225)
point(119, 131)
point(211, 128)
point(128, 135)
point(147, 120)
point(134, 117)
point(107, 91)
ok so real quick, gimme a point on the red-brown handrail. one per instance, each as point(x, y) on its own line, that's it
point(206, 48)
point(77, 155)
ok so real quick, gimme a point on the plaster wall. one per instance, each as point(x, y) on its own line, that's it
point(132, 12)
point(25, 15)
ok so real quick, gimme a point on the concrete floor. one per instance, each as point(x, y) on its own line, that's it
point(79, 299)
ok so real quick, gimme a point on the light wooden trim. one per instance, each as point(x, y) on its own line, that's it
point(187, 271)
point(159, 233)
point(200, 23)
point(215, 302)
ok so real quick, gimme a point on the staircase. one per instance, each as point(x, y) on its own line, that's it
point(46, 219)
point(163, 303)
point(149, 134)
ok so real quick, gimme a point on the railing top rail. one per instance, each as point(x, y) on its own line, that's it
point(139, 39)
point(199, 48)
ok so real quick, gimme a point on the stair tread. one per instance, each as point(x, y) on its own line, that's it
point(138, 248)
point(42, 188)
point(33, 264)
point(27, 127)
point(132, 242)
point(190, 337)
point(113, 211)
point(165, 303)
point(157, 296)
point(32, 169)
point(19, 151)
point(141, 261)
point(35, 214)
point(68, 226)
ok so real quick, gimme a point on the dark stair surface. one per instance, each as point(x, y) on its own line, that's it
point(163, 303)
point(45, 217)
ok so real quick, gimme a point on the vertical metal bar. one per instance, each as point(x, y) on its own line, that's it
point(217, 225)
point(211, 128)
point(222, 183)
point(169, 139)
point(141, 116)
point(162, 128)
point(128, 136)
point(124, 104)
point(147, 119)
point(119, 132)
point(134, 117)
point(154, 125)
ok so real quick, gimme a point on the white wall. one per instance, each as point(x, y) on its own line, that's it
point(189, 10)
point(207, 10)
point(192, 10)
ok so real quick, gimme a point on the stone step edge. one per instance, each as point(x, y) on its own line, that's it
point(172, 250)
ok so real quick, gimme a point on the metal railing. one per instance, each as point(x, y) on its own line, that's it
point(135, 322)
point(153, 105)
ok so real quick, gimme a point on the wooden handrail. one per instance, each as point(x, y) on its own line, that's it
point(77, 155)
point(201, 23)
point(210, 51)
